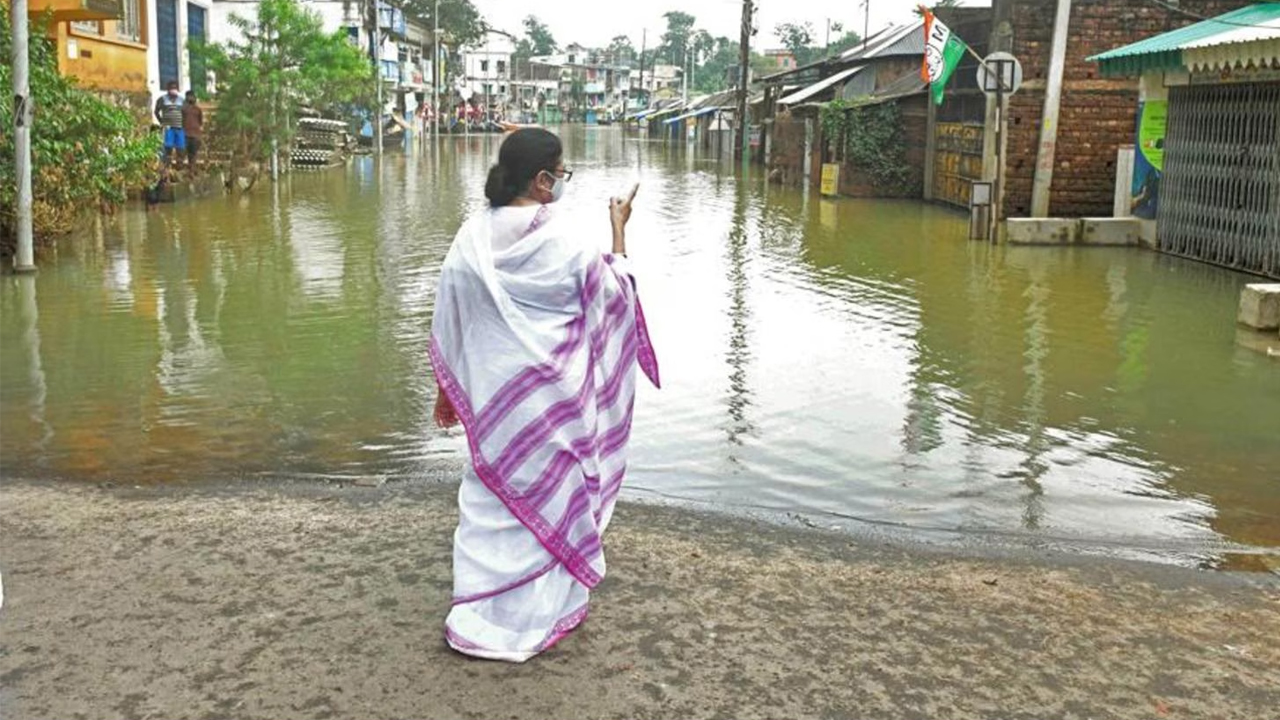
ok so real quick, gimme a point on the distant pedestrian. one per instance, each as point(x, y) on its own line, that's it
point(168, 112)
point(192, 126)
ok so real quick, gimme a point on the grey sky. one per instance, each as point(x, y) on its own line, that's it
point(595, 22)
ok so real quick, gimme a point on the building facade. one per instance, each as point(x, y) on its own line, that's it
point(127, 48)
point(487, 71)
point(1097, 114)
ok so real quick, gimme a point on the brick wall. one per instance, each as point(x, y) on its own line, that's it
point(1097, 114)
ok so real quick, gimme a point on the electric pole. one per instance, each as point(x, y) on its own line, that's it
point(644, 37)
point(24, 261)
point(744, 59)
point(866, 21)
point(435, 72)
point(375, 55)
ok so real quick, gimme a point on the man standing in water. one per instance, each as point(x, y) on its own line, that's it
point(192, 126)
point(168, 112)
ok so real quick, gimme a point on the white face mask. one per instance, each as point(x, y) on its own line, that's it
point(557, 187)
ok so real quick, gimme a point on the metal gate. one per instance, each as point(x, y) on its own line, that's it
point(957, 161)
point(1221, 197)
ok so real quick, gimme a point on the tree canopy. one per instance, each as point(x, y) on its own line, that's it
point(460, 21)
point(675, 41)
point(282, 62)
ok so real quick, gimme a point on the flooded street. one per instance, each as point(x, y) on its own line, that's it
point(855, 363)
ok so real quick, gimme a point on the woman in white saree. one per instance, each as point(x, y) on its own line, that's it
point(535, 342)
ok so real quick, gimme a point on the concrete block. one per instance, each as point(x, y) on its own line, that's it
point(1147, 237)
point(1111, 231)
point(1260, 306)
point(1041, 231)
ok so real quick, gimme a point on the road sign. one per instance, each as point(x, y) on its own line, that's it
point(996, 67)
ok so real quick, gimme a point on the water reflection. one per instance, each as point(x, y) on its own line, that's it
point(738, 355)
point(846, 358)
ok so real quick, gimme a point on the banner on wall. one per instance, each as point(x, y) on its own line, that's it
point(1148, 164)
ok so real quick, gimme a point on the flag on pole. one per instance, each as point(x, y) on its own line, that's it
point(942, 53)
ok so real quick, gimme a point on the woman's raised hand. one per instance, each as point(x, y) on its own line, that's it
point(620, 208)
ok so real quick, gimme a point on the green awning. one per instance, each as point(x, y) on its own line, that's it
point(1256, 23)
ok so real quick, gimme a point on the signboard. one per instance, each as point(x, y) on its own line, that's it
point(1148, 165)
point(104, 9)
point(1000, 68)
point(1227, 76)
point(830, 179)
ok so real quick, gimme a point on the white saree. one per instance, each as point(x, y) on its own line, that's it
point(535, 342)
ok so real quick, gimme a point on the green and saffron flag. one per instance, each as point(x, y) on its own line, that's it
point(942, 53)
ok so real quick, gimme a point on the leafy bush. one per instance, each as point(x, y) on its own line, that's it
point(86, 153)
point(870, 138)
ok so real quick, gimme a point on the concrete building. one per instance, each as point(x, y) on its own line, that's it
point(1206, 169)
point(486, 70)
point(1097, 114)
point(781, 58)
point(659, 82)
point(127, 48)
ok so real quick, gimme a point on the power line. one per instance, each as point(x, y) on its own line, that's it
point(1204, 18)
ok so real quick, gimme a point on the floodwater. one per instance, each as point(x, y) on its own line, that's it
point(848, 363)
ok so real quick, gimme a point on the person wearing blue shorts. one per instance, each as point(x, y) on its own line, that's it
point(168, 112)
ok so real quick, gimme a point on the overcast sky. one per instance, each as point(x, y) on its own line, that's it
point(594, 22)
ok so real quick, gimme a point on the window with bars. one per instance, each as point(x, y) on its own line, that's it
point(87, 27)
point(129, 26)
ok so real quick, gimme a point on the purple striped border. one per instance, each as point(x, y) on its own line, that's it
point(558, 632)
point(558, 546)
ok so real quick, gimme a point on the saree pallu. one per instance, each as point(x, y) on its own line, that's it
point(535, 344)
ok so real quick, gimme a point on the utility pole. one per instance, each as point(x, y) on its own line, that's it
point(744, 60)
point(684, 90)
point(375, 52)
point(866, 21)
point(644, 37)
point(435, 72)
point(24, 261)
point(827, 52)
point(1043, 181)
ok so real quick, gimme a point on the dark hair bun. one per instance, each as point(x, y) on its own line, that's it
point(498, 188)
point(524, 154)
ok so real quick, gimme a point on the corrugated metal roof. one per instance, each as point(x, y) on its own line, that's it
point(1166, 52)
point(905, 40)
point(808, 92)
point(691, 113)
point(905, 86)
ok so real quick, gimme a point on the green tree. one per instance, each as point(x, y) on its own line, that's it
point(539, 35)
point(797, 38)
point(675, 41)
point(283, 62)
point(714, 71)
point(460, 21)
point(845, 42)
point(86, 153)
point(620, 49)
point(537, 40)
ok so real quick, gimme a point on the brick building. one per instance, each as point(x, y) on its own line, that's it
point(1097, 114)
